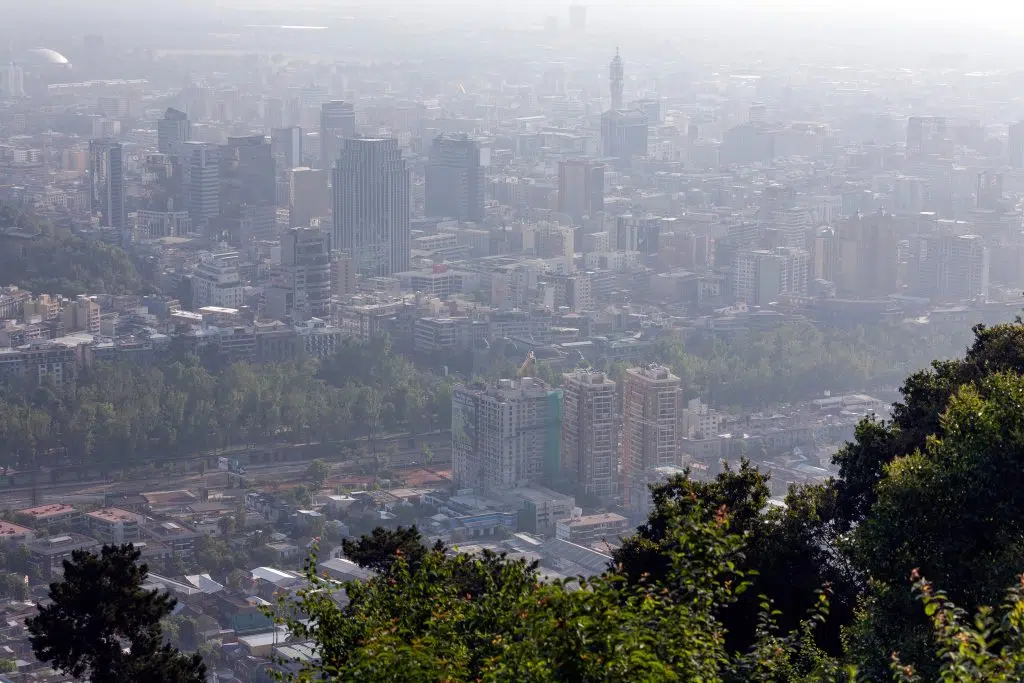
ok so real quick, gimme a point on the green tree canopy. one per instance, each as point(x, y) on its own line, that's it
point(101, 624)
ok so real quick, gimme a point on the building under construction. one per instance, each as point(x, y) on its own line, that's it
point(505, 435)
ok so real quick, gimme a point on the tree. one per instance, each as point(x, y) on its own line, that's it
point(935, 488)
point(226, 524)
point(786, 555)
point(101, 624)
point(379, 550)
point(14, 586)
point(466, 618)
point(317, 473)
point(428, 454)
point(964, 646)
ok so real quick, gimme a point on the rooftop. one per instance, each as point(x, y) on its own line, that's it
point(603, 518)
point(47, 511)
point(114, 515)
point(8, 529)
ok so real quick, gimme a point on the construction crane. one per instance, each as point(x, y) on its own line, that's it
point(527, 365)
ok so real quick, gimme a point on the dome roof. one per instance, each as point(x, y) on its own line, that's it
point(46, 56)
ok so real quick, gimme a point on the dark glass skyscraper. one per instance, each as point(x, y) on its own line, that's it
point(106, 183)
point(455, 179)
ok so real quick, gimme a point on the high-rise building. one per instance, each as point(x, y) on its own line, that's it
point(505, 435)
point(201, 182)
point(247, 173)
point(337, 124)
point(1015, 145)
point(761, 275)
point(867, 260)
point(624, 134)
point(248, 190)
point(216, 281)
point(793, 224)
point(590, 448)
point(949, 267)
point(455, 179)
point(302, 285)
point(652, 427)
point(12, 81)
point(370, 188)
point(106, 183)
point(309, 196)
point(580, 188)
point(172, 131)
point(616, 77)
point(286, 148)
point(825, 255)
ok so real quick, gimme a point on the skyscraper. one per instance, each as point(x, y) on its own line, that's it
point(505, 435)
point(172, 131)
point(337, 124)
point(867, 256)
point(106, 183)
point(616, 77)
point(624, 134)
point(590, 446)
point(302, 285)
point(761, 275)
point(248, 190)
point(793, 225)
point(309, 196)
point(286, 148)
point(201, 182)
point(949, 267)
point(371, 206)
point(247, 172)
point(580, 188)
point(652, 412)
point(455, 179)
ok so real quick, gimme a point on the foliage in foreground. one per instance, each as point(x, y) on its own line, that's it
point(101, 625)
point(936, 488)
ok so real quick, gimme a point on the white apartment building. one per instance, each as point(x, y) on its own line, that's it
point(216, 282)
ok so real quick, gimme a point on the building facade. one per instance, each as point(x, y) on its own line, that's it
point(590, 447)
point(580, 188)
point(106, 183)
point(454, 179)
point(652, 426)
point(505, 435)
point(337, 124)
point(371, 206)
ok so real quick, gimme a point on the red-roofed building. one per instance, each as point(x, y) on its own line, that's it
point(114, 525)
point(50, 514)
point(14, 534)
